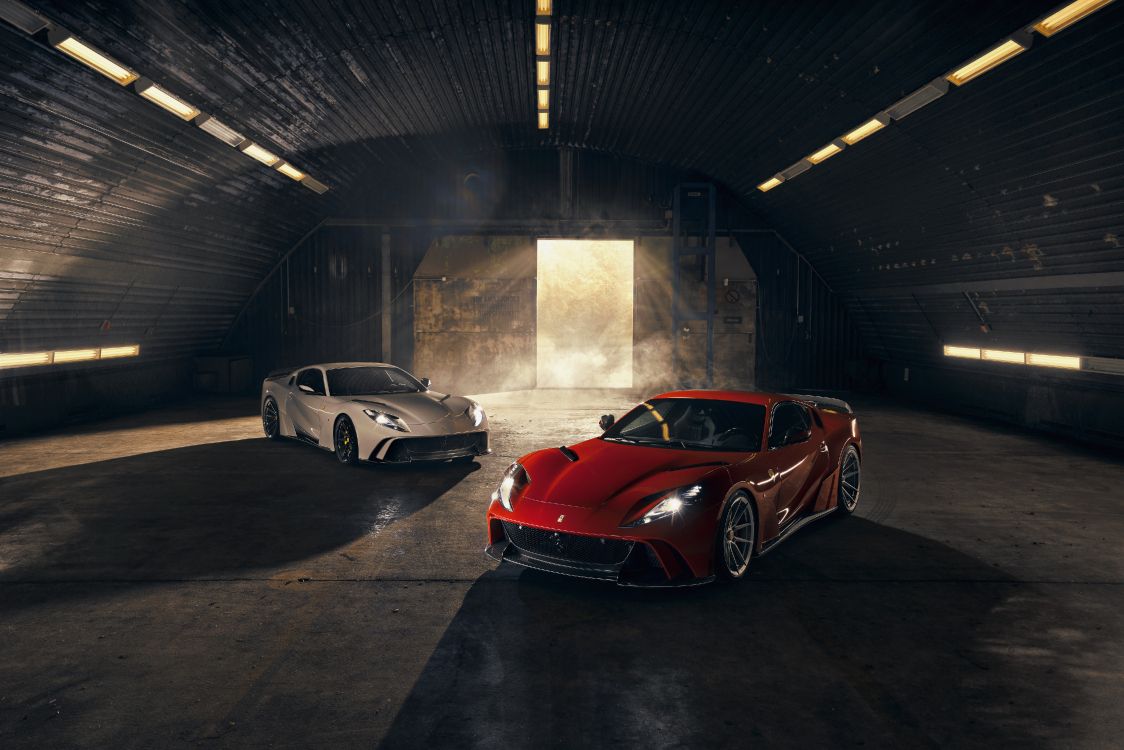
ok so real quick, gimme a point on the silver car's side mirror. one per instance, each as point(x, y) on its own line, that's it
point(307, 388)
point(606, 421)
point(425, 383)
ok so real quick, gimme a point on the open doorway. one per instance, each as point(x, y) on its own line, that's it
point(585, 309)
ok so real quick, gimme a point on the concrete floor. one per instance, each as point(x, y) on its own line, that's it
point(172, 579)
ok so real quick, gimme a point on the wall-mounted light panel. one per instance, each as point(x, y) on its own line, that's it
point(1035, 359)
point(9, 360)
point(31, 23)
point(1060, 18)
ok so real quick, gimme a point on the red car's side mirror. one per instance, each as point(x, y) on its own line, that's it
point(606, 421)
point(797, 435)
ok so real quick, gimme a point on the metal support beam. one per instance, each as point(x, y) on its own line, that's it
point(385, 297)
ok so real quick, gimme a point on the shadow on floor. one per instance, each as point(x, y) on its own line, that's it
point(222, 509)
point(852, 634)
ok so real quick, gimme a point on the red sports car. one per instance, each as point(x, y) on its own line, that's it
point(687, 486)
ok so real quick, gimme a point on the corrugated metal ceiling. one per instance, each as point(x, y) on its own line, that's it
point(110, 209)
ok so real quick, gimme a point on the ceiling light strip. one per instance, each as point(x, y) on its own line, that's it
point(543, 32)
point(1060, 18)
point(25, 19)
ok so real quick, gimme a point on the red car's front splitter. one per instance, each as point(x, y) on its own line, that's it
point(626, 563)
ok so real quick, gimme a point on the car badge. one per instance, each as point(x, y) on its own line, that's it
point(561, 518)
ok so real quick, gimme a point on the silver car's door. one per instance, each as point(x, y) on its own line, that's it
point(305, 403)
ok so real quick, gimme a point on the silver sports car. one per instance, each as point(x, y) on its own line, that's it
point(369, 411)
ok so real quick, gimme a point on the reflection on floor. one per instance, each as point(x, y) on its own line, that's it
point(174, 579)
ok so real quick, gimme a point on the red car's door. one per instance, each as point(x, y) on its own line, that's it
point(795, 458)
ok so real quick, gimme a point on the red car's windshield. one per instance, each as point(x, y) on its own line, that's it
point(695, 424)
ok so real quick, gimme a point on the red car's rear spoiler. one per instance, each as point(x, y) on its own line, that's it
point(824, 402)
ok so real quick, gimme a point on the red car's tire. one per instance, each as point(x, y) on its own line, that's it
point(850, 481)
point(736, 537)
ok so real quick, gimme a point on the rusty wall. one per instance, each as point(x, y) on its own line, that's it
point(655, 366)
point(474, 314)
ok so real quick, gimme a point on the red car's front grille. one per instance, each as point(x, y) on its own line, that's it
point(563, 546)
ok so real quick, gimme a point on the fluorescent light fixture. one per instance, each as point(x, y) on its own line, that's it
point(544, 99)
point(26, 359)
point(162, 98)
point(867, 128)
point(289, 170)
point(796, 169)
point(992, 58)
point(255, 151)
point(544, 120)
point(111, 352)
point(314, 185)
point(965, 352)
point(1053, 360)
point(825, 153)
point(22, 17)
point(224, 133)
point(1067, 16)
point(542, 7)
point(927, 94)
point(62, 40)
point(998, 355)
point(542, 37)
point(769, 184)
point(542, 72)
point(75, 355)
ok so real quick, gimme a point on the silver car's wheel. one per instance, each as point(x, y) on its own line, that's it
point(270, 419)
point(850, 480)
point(736, 535)
point(347, 445)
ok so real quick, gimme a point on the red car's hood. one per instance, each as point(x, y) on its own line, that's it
point(615, 473)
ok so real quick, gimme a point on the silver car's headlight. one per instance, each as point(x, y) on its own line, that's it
point(475, 412)
point(514, 480)
point(387, 420)
point(670, 504)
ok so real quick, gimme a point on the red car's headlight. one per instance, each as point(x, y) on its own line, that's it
point(514, 480)
point(670, 503)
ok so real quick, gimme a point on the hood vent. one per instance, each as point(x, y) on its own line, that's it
point(569, 453)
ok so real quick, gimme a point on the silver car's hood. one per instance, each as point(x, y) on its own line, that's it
point(415, 408)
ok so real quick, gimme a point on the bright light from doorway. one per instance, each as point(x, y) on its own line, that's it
point(585, 309)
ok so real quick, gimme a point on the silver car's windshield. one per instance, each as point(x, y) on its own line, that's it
point(371, 381)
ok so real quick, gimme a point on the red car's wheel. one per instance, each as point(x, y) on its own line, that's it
point(850, 474)
point(737, 532)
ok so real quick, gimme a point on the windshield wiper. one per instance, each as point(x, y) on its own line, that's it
point(650, 441)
